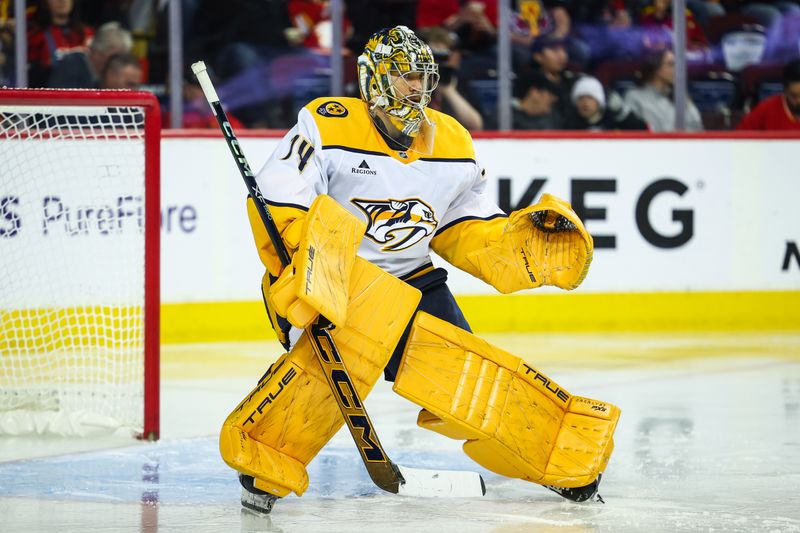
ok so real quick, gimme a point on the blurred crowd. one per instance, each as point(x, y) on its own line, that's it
point(578, 64)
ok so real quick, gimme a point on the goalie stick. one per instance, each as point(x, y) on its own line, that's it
point(382, 470)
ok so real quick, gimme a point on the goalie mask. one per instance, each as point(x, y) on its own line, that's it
point(397, 74)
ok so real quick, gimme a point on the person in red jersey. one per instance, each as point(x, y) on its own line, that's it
point(56, 30)
point(780, 111)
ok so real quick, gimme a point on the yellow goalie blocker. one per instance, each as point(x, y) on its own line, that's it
point(516, 421)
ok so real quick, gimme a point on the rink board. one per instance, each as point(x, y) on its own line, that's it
point(690, 232)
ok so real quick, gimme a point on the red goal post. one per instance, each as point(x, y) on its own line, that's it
point(79, 262)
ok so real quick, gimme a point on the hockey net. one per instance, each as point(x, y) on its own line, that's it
point(79, 262)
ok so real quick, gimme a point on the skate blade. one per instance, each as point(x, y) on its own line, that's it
point(260, 503)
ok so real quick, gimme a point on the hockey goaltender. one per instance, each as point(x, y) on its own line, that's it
point(359, 192)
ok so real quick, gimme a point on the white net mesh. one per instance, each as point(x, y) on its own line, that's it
point(72, 184)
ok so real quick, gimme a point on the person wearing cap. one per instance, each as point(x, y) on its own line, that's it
point(592, 111)
point(534, 105)
point(549, 55)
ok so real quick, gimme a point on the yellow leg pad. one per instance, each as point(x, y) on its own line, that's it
point(275, 472)
point(290, 415)
point(448, 428)
point(516, 421)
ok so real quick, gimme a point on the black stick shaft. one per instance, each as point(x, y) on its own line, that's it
point(250, 182)
point(383, 472)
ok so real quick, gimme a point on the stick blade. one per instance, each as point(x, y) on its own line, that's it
point(441, 483)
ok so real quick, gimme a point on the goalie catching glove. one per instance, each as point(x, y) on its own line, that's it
point(560, 247)
point(544, 244)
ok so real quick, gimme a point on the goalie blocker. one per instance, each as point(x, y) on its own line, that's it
point(515, 420)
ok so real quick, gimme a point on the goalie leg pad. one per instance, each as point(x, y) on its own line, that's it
point(516, 421)
point(291, 414)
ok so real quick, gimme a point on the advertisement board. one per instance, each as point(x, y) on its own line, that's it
point(666, 214)
point(689, 231)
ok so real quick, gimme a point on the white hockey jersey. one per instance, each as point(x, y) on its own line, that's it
point(405, 198)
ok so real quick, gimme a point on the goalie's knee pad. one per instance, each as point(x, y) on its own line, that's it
point(516, 421)
point(291, 414)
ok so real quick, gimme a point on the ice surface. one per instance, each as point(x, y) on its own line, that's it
point(709, 440)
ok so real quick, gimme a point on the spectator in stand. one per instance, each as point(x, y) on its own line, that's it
point(658, 17)
point(141, 18)
point(620, 13)
point(534, 104)
point(591, 112)
point(196, 113)
point(703, 10)
point(770, 13)
point(539, 17)
point(122, 71)
point(82, 70)
point(241, 40)
point(448, 97)
point(780, 111)
point(240, 35)
point(432, 13)
point(56, 30)
point(6, 42)
point(312, 19)
point(476, 25)
point(652, 102)
point(369, 16)
point(607, 27)
point(549, 55)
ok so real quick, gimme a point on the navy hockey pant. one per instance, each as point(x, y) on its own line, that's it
point(438, 301)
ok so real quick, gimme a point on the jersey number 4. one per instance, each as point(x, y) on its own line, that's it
point(304, 151)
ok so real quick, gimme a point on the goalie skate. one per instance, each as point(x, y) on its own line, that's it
point(580, 494)
point(255, 499)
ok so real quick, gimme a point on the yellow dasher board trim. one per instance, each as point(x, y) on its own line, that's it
point(533, 312)
point(646, 312)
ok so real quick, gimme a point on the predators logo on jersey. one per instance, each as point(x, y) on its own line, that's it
point(332, 109)
point(398, 224)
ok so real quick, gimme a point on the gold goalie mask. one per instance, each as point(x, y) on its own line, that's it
point(397, 75)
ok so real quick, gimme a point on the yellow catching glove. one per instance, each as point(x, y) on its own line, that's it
point(559, 246)
point(544, 244)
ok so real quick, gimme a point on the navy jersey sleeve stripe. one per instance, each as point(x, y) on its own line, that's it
point(464, 219)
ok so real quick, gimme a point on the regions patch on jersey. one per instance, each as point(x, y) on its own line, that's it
point(399, 224)
point(332, 109)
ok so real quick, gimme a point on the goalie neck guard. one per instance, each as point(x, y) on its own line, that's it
point(397, 75)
